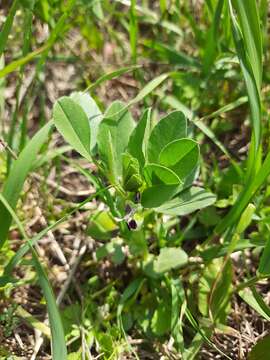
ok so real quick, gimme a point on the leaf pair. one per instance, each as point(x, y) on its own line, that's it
point(171, 160)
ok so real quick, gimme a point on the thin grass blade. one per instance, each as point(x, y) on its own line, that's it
point(58, 345)
point(14, 183)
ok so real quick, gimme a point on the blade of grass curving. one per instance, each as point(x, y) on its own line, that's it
point(14, 65)
point(145, 91)
point(111, 75)
point(33, 321)
point(14, 183)
point(193, 321)
point(58, 345)
point(248, 16)
point(8, 25)
point(254, 157)
point(152, 85)
point(228, 107)
point(28, 17)
point(251, 80)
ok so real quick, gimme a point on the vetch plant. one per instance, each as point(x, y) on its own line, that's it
point(147, 173)
point(149, 166)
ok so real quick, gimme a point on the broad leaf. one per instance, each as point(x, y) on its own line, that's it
point(101, 226)
point(172, 127)
point(156, 174)
point(71, 121)
point(170, 258)
point(156, 195)
point(181, 156)
point(92, 112)
point(188, 201)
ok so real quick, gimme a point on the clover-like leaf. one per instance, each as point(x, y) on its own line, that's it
point(187, 201)
point(91, 110)
point(181, 156)
point(156, 195)
point(172, 127)
point(157, 174)
point(72, 123)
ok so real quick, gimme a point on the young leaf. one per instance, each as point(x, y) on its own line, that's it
point(139, 138)
point(71, 121)
point(113, 137)
point(171, 127)
point(92, 112)
point(188, 201)
point(14, 183)
point(132, 179)
point(181, 156)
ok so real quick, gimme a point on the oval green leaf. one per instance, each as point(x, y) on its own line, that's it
point(169, 128)
point(188, 201)
point(157, 174)
point(72, 123)
point(181, 156)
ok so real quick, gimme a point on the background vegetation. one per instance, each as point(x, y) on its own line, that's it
point(86, 271)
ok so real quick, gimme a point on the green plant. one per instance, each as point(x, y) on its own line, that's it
point(162, 266)
point(150, 169)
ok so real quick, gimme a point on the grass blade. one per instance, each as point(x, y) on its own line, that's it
point(14, 183)
point(111, 75)
point(7, 26)
point(14, 65)
point(251, 80)
point(248, 15)
point(210, 52)
point(58, 345)
point(152, 85)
